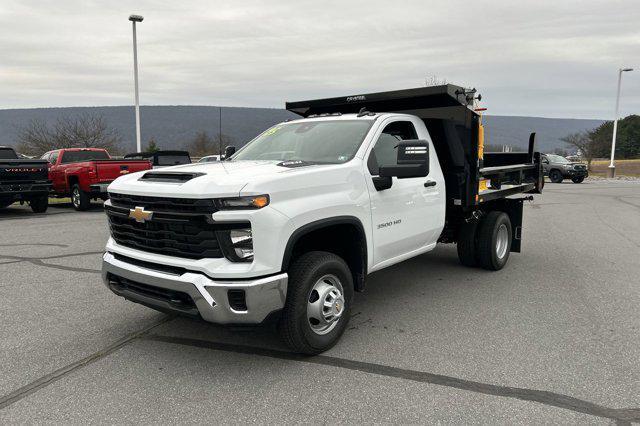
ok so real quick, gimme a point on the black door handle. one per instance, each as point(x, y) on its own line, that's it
point(430, 183)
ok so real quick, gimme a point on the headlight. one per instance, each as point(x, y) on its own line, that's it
point(237, 244)
point(236, 203)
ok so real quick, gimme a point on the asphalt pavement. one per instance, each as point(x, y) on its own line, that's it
point(552, 338)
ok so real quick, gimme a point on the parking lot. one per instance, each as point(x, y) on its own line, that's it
point(553, 337)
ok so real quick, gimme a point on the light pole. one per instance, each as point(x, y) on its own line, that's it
point(612, 168)
point(134, 19)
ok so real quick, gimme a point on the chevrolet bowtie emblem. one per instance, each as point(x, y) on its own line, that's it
point(140, 214)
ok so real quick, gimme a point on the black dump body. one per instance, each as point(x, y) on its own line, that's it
point(475, 181)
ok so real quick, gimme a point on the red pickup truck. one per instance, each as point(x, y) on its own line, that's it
point(84, 173)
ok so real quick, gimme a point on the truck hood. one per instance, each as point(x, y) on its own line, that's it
point(222, 179)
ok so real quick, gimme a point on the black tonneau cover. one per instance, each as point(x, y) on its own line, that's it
point(454, 128)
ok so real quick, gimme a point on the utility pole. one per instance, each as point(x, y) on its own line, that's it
point(220, 130)
point(134, 19)
point(612, 167)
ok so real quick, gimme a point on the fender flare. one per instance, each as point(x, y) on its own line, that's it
point(323, 223)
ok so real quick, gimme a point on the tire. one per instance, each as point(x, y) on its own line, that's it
point(556, 176)
point(308, 273)
point(39, 204)
point(79, 198)
point(467, 246)
point(577, 179)
point(5, 202)
point(494, 240)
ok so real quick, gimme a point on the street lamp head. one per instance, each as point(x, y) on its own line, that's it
point(626, 69)
point(135, 18)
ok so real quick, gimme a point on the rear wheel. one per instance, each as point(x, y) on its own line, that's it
point(494, 240)
point(556, 176)
point(79, 198)
point(467, 250)
point(40, 203)
point(577, 179)
point(318, 304)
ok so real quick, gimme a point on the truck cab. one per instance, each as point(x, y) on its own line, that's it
point(290, 225)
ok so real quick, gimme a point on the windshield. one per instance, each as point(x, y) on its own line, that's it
point(75, 156)
point(557, 159)
point(7, 154)
point(321, 142)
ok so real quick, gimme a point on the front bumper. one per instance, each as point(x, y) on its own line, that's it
point(209, 298)
point(24, 189)
point(571, 173)
point(99, 188)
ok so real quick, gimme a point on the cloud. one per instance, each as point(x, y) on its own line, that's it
point(553, 59)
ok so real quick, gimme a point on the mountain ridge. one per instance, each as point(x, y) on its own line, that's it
point(173, 126)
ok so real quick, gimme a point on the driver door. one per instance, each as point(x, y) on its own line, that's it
point(407, 218)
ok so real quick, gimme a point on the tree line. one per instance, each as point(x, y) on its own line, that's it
point(92, 131)
point(596, 143)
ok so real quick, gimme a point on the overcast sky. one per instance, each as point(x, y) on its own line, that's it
point(538, 58)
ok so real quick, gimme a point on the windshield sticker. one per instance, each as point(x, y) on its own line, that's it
point(271, 131)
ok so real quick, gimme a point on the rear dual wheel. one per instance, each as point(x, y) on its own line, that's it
point(486, 243)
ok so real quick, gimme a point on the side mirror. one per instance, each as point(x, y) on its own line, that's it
point(413, 161)
point(229, 151)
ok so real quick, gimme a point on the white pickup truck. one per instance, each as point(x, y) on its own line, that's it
point(290, 225)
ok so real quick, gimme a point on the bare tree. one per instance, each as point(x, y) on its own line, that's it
point(561, 152)
point(152, 146)
point(203, 144)
point(583, 142)
point(84, 131)
point(36, 138)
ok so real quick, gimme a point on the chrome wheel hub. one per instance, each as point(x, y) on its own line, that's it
point(502, 241)
point(325, 304)
point(75, 197)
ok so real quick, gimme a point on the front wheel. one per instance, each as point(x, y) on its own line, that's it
point(39, 204)
point(79, 198)
point(5, 202)
point(318, 305)
point(577, 179)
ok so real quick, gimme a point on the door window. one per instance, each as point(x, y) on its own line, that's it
point(53, 158)
point(385, 152)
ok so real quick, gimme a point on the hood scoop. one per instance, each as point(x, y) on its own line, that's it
point(171, 177)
